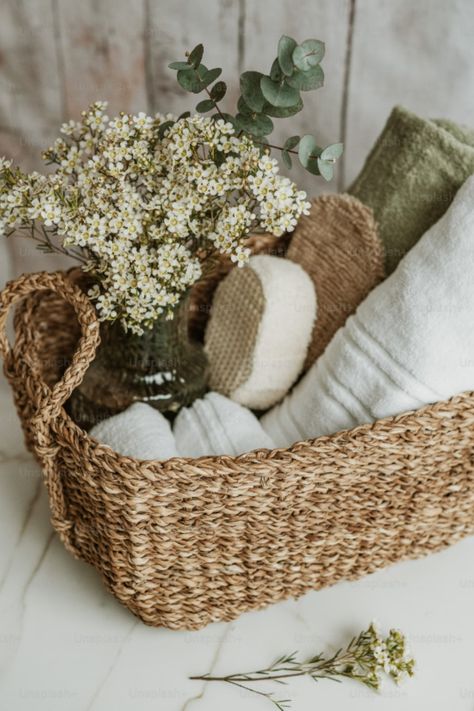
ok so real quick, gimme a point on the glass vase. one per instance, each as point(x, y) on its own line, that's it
point(163, 367)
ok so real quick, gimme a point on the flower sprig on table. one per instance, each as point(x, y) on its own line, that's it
point(364, 660)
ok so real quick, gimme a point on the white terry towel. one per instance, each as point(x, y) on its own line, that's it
point(139, 431)
point(216, 425)
point(410, 342)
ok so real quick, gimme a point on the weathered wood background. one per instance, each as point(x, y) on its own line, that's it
point(57, 56)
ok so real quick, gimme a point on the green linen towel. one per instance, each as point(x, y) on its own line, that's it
point(411, 176)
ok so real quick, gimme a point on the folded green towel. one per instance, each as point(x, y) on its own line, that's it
point(411, 176)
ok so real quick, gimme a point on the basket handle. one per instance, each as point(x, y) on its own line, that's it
point(15, 291)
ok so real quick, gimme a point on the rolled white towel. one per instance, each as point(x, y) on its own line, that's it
point(139, 431)
point(216, 425)
point(410, 343)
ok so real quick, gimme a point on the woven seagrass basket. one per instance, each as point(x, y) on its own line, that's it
point(184, 542)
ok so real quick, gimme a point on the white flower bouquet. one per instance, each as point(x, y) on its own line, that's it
point(146, 204)
point(141, 211)
point(142, 201)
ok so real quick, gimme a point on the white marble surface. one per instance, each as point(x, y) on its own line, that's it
point(66, 644)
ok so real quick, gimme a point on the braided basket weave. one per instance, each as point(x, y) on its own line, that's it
point(186, 542)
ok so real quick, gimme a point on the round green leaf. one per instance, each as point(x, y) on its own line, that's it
point(184, 115)
point(210, 76)
point(204, 106)
point(195, 56)
point(218, 91)
point(291, 143)
point(286, 46)
point(275, 72)
point(306, 81)
point(326, 169)
point(191, 79)
point(256, 124)
point(243, 108)
point(308, 153)
point(282, 111)
point(164, 127)
point(179, 65)
point(251, 91)
point(278, 94)
point(286, 158)
point(332, 152)
point(308, 54)
point(312, 167)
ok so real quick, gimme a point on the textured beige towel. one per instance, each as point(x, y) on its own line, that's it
point(338, 246)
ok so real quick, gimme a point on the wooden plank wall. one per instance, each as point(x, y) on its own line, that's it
point(56, 56)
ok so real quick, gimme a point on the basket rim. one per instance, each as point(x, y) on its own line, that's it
point(441, 407)
point(37, 285)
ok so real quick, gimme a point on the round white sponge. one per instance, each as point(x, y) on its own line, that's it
point(259, 330)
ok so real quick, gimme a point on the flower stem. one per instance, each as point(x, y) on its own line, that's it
point(363, 660)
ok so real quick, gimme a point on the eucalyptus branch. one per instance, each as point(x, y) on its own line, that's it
point(206, 89)
point(264, 97)
point(276, 148)
point(363, 660)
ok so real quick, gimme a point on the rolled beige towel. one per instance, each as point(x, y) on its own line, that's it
point(338, 246)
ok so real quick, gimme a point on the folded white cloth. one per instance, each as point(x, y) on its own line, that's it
point(216, 425)
point(410, 343)
point(139, 431)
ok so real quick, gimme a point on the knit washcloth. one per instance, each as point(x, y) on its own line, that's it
point(411, 177)
point(338, 246)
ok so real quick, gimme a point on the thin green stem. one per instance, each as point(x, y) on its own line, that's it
point(277, 148)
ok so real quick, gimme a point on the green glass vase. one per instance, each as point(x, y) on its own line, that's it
point(163, 367)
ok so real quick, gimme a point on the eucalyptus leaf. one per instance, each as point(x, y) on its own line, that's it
point(251, 91)
point(308, 153)
point(308, 54)
point(275, 72)
point(307, 81)
point(192, 79)
point(286, 46)
point(196, 55)
point(282, 111)
point(206, 105)
point(326, 169)
point(278, 94)
point(184, 115)
point(313, 167)
point(332, 152)
point(286, 158)
point(164, 127)
point(243, 108)
point(218, 91)
point(179, 65)
point(211, 76)
point(291, 143)
point(256, 124)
